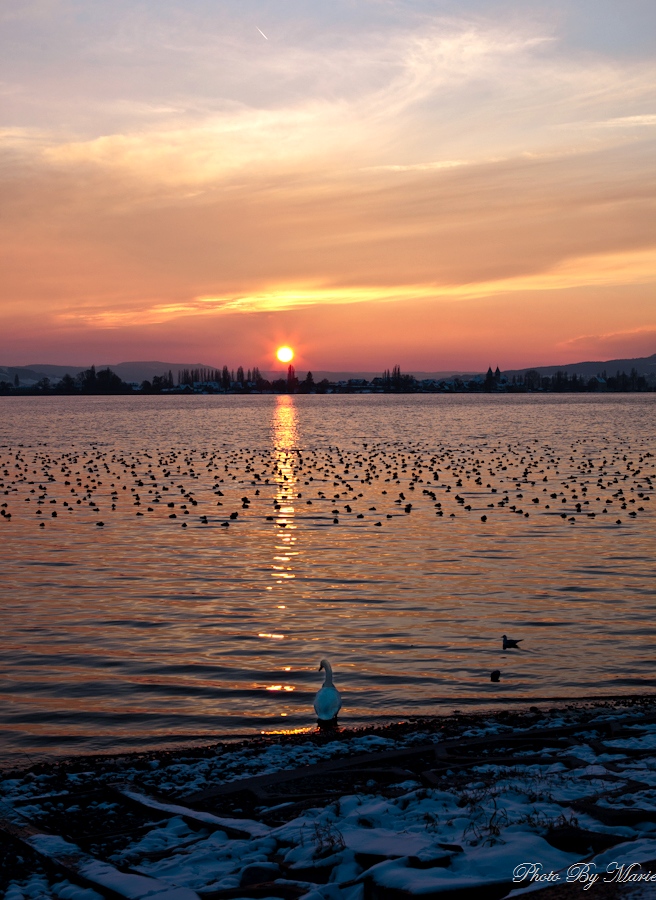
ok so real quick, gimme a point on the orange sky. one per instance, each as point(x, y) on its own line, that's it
point(439, 185)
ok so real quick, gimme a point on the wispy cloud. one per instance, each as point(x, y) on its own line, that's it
point(419, 167)
point(590, 271)
point(473, 91)
point(629, 342)
point(637, 268)
point(646, 120)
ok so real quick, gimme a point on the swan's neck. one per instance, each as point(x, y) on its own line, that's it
point(329, 675)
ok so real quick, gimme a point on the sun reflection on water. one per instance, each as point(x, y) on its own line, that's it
point(284, 434)
point(285, 731)
point(284, 439)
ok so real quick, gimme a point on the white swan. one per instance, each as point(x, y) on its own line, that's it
point(327, 702)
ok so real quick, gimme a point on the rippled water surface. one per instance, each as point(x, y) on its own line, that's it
point(398, 536)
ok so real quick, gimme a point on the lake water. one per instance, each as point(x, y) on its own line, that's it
point(174, 622)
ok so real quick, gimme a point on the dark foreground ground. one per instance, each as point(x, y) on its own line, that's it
point(444, 807)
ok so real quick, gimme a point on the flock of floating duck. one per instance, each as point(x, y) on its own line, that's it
point(328, 486)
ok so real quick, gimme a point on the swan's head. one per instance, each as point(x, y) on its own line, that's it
point(324, 664)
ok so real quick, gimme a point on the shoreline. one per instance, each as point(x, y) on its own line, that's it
point(340, 390)
point(525, 715)
point(523, 711)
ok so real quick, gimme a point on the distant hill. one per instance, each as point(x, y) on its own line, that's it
point(139, 371)
point(26, 375)
point(127, 371)
point(644, 365)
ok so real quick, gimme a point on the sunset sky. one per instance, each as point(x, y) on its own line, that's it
point(440, 185)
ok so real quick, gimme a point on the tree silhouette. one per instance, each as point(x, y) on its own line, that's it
point(532, 380)
point(66, 385)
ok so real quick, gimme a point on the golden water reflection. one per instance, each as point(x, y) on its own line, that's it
point(284, 434)
point(284, 438)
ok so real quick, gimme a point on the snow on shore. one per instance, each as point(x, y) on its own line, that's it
point(472, 827)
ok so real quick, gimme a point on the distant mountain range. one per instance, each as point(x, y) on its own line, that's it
point(127, 371)
point(137, 372)
point(644, 365)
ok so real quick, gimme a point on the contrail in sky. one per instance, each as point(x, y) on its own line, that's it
point(262, 33)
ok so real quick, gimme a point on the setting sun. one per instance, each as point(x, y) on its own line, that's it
point(285, 354)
